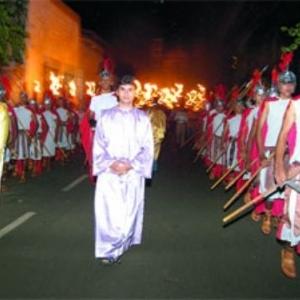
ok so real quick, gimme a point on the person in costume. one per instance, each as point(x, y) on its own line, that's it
point(181, 120)
point(4, 130)
point(123, 153)
point(247, 154)
point(230, 136)
point(38, 139)
point(251, 154)
point(26, 128)
point(288, 232)
point(207, 136)
point(49, 146)
point(217, 131)
point(107, 99)
point(63, 140)
point(268, 129)
point(158, 121)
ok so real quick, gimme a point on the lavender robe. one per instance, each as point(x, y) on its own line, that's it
point(119, 200)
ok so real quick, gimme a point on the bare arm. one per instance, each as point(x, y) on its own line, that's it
point(225, 133)
point(288, 121)
point(259, 135)
point(252, 137)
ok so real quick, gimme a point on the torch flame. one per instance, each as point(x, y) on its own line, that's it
point(169, 97)
point(72, 88)
point(91, 88)
point(36, 86)
point(56, 83)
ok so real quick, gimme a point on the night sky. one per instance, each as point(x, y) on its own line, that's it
point(209, 33)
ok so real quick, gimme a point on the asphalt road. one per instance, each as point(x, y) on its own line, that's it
point(186, 253)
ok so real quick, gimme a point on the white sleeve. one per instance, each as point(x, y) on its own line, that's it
point(92, 105)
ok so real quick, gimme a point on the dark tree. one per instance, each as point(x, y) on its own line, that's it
point(13, 15)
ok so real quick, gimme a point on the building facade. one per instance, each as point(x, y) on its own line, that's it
point(56, 43)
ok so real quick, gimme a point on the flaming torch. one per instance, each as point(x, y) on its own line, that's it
point(36, 89)
point(56, 83)
point(72, 88)
point(36, 86)
point(91, 88)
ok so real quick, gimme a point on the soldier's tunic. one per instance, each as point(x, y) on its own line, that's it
point(289, 228)
point(4, 132)
point(277, 109)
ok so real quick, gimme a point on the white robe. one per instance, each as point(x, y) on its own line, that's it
point(35, 149)
point(24, 117)
point(49, 143)
point(119, 200)
point(63, 141)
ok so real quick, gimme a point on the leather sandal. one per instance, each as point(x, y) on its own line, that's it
point(288, 266)
point(266, 226)
point(255, 216)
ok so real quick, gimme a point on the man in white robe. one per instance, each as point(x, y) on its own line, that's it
point(123, 153)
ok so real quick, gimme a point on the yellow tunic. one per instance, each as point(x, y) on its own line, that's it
point(4, 130)
point(158, 121)
point(4, 125)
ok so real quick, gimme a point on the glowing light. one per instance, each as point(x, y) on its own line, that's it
point(72, 88)
point(56, 83)
point(36, 86)
point(170, 97)
point(195, 100)
point(91, 88)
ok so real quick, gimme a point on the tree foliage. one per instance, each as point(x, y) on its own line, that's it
point(293, 32)
point(13, 15)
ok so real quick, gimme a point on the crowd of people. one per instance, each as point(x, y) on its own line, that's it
point(250, 140)
point(121, 144)
point(36, 134)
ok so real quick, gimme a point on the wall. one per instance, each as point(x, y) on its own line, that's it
point(55, 43)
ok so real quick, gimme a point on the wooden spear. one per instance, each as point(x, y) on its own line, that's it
point(256, 200)
point(224, 175)
point(234, 180)
point(245, 185)
point(216, 160)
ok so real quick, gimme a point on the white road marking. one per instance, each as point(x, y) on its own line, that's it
point(74, 183)
point(4, 231)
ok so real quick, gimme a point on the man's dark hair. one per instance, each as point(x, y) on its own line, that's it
point(126, 79)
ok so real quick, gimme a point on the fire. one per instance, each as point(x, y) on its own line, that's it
point(145, 93)
point(91, 88)
point(170, 97)
point(72, 88)
point(36, 86)
point(195, 99)
point(56, 83)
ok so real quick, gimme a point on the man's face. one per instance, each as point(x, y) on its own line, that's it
point(23, 98)
point(219, 108)
point(258, 98)
point(126, 93)
point(48, 106)
point(33, 106)
point(286, 89)
point(105, 83)
point(60, 102)
point(238, 108)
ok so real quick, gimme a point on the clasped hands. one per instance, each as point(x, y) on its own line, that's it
point(120, 167)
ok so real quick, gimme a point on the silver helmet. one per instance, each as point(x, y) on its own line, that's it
point(287, 77)
point(273, 91)
point(104, 74)
point(2, 91)
point(47, 100)
point(32, 102)
point(260, 90)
